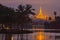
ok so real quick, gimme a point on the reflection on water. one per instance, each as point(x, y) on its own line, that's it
point(12, 38)
point(33, 36)
point(36, 36)
point(40, 36)
point(44, 36)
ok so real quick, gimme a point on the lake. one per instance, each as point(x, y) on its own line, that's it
point(34, 36)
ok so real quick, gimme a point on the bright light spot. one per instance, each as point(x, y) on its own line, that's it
point(12, 38)
point(40, 36)
point(40, 15)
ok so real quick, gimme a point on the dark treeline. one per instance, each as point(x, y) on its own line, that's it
point(55, 24)
point(17, 16)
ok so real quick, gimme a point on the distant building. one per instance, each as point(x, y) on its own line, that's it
point(40, 15)
point(40, 19)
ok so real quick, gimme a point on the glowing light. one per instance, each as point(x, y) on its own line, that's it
point(40, 36)
point(12, 38)
point(40, 15)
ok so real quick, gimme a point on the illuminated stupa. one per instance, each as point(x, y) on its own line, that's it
point(40, 15)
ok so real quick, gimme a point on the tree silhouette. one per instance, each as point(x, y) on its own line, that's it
point(23, 13)
point(55, 13)
point(6, 15)
point(20, 16)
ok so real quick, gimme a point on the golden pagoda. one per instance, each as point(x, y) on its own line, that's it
point(40, 15)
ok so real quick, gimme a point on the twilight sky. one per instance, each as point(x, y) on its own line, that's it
point(48, 6)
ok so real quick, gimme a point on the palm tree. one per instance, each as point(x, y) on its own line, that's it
point(24, 12)
point(55, 13)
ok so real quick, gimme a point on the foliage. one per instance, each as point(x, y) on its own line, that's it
point(21, 15)
point(23, 12)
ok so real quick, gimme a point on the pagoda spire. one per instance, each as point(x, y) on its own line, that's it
point(40, 14)
point(40, 11)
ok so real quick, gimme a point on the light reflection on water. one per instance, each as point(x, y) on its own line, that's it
point(40, 36)
point(33, 36)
